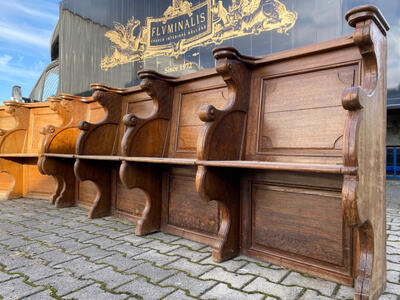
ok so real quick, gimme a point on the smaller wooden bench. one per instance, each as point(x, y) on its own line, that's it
point(20, 143)
point(57, 154)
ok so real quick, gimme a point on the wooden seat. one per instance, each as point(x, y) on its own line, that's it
point(20, 142)
point(98, 154)
point(58, 150)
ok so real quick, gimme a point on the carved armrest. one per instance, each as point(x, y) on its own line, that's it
point(212, 143)
point(107, 129)
point(152, 129)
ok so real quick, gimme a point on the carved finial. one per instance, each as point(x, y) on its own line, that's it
point(367, 12)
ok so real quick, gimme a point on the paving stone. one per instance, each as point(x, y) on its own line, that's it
point(32, 234)
point(94, 252)
point(14, 260)
point(45, 295)
point(134, 239)
point(155, 274)
point(223, 292)
point(229, 265)
point(179, 294)
point(111, 278)
point(80, 266)
point(236, 280)
point(91, 228)
point(103, 242)
point(157, 258)
point(56, 256)
point(37, 270)
point(120, 226)
point(313, 295)
point(50, 239)
point(64, 283)
point(389, 297)
point(34, 249)
point(345, 292)
point(326, 288)
point(190, 244)
point(16, 289)
point(167, 238)
point(5, 236)
point(94, 292)
point(185, 265)
point(249, 260)
point(192, 255)
point(128, 249)
point(120, 262)
point(82, 236)
point(63, 231)
point(71, 245)
point(5, 277)
point(144, 289)
point(16, 242)
point(160, 246)
point(193, 285)
point(270, 274)
point(273, 289)
point(392, 266)
point(392, 288)
point(393, 276)
point(111, 233)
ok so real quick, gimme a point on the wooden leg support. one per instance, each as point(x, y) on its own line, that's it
point(62, 171)
point(223, 187)
point(15, 169)
point(148, 179)
point(99, 173)
point(365, 262)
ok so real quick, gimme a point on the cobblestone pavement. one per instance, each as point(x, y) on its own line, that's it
point(48, 253)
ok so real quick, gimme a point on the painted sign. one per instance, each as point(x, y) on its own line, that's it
point(184, 27)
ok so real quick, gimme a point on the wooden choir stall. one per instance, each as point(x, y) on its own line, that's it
point(281, 157)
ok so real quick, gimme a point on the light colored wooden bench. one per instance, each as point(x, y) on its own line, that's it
point(20, 141)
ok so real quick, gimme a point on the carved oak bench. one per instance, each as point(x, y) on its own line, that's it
point(293, 153)
point(20, 142)
point(285, 161)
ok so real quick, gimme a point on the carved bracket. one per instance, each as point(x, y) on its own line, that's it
point(160, 89)
point(100, 175)
point(363, 147)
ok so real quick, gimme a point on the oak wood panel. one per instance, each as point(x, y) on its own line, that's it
point(7, 122)
point(189, 97)
point(37, 185)
point(184, 212)
point(87, 193)
point(295, 220)
point(95, 113)
point(40, 118)
point(6, 183)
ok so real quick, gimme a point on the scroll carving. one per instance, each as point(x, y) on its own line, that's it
point(212, 144)
point(360, 203)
